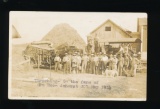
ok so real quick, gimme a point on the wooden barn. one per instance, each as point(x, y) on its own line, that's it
point(109, 31)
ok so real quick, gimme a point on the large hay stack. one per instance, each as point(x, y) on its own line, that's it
point(64, 33)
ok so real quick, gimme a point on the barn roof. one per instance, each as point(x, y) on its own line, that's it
point(124, 30)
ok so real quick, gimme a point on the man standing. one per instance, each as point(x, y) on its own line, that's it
point(110, 62)
point(126, 64)
point(100, 63)
point(89, 64)
point(121, 50)
point(57, 61)
point(126, 48)
point(79, 59)
point(92, 64)
point(85, 59)
point(104, 62)
point(134, 62)
point(65, 63)
point(74, 63)
point(120, 64)
point(96, 60)
point(114, 62)
point(69, 62)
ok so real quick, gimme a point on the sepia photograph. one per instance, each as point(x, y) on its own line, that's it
point(77, 56)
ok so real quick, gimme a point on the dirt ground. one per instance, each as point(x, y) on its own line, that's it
point(29, 82)
point(47, 83)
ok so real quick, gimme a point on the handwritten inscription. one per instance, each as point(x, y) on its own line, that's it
point(72, 84)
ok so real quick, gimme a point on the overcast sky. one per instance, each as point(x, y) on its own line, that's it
point(32, 26)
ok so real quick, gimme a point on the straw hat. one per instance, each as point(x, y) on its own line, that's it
point(84, 53)
point(134, 54)
point(92, 54)
point(66, 53)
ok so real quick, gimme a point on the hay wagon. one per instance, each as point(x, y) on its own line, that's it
point(41, 54)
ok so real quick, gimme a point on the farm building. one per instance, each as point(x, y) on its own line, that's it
point(109, 31)
point(142, 29)
point(142, 34)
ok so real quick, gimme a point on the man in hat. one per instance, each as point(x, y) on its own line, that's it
point(96, 61)
point(85, 59)
point(126, 61)
point(126, 64)
point(134, 62)
point(70, 62)
point(104, 62)
point(92, 64)
point(74, 63)
point(100, 63)
point(79, 59)
point(89, 63)
point(126, 48)
point(110, 62)
point(65, 63)
point(121, 50)
point(120, 64)
point(57, 61)
point(114, 62)
point(75, 53)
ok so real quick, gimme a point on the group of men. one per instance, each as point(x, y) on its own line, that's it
point(97, 63)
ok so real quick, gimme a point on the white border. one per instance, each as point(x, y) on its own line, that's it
point(51, 98)
point(10, 58)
